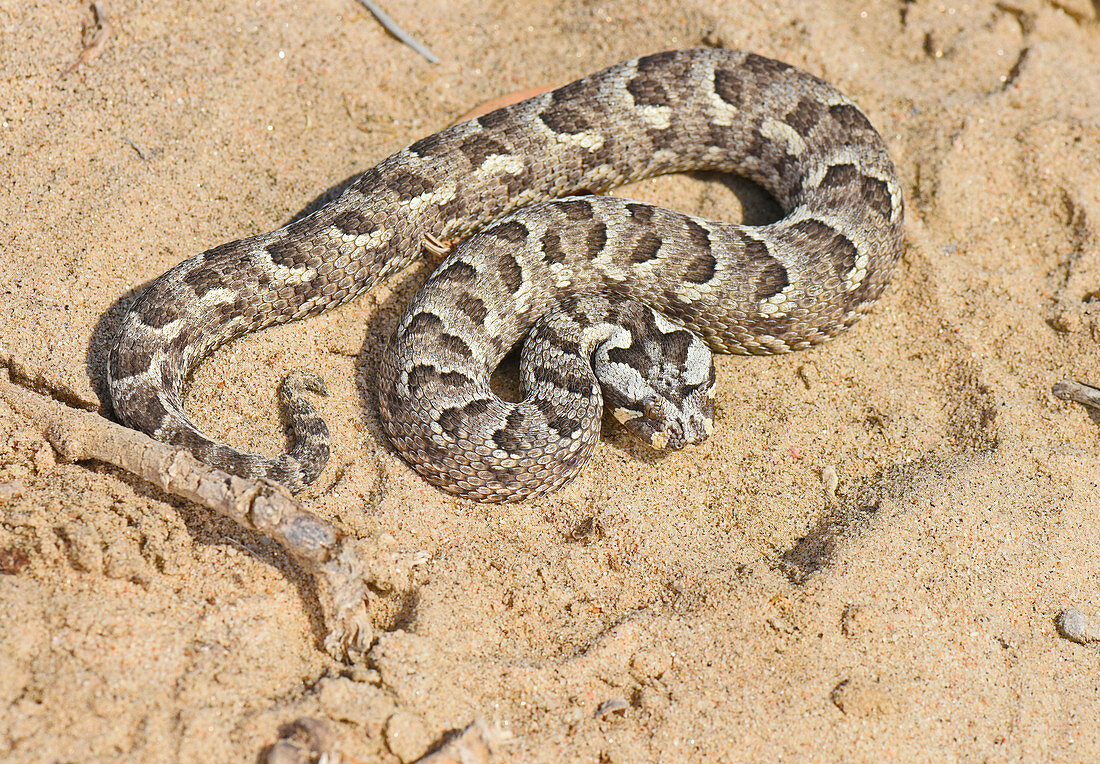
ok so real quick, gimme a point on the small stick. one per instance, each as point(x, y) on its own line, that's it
point(391, 26)
point(345, 569)
point(105, 29)
point(1086, 395)
point(140, 151)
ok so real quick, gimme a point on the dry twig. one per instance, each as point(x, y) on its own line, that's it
point(1086, 395)
point(343, 567)
point(104, 30)
point(391, 27)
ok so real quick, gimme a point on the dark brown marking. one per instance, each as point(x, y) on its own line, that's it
point(648, 91)
point(476, 408)
point(772, 276)
point(596, 240)
point(521, 181)
point(430, 145)
point(420, 377)
point(369, 182)
point(564, 119)
point(634, 355)
point(455, 379)
point(568, 108)
point(576, 210)
point(208, 273)
point(473, 307)
point(551, 247)
point(719, 135)
point(673, 305)
point(125, 363)
point(561, 344)
point(511, 274)
point(648, 85)
point(288, 253)
point(424, 322)
point(872, 191)
point(665, 61)
point(479, 147)
point(512, 232)
point(457, 273)
point(494, 119)
point(837, 247)
point(764, 66)
point(876, 195)
point(645, 248)
point(510, 437)
point(558, 419)
point(453, 421)
point(850, 118)
point(674, 347)
point(728, 84)
point(566, 379)
point(353, 223)
point(409, 184)
point(454, 344)
point(697, 234)
point(453, 209)
point(641, 213)
point(701, 268)
point(839, 176)
point(805, 116)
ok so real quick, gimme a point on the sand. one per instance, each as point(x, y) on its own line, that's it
point(722, 599)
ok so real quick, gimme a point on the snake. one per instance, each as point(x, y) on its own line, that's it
point(621, 303)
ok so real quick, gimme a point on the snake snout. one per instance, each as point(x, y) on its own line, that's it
point(666, 426)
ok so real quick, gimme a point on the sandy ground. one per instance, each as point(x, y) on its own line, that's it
point(735, 608)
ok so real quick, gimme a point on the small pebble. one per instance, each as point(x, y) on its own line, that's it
point(831, 481)
point(1077, 627)
point(863, 697)
point(12, 489)
point(406, 736)
point(611, 706)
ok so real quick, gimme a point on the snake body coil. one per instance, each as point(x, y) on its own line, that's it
point(624, 285)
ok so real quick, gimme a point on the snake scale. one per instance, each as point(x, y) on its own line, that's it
point(617, 297)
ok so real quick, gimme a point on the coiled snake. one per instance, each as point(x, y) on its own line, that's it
point(581, 275)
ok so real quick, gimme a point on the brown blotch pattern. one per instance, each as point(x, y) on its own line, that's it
point(473, 307)
point(701, 269)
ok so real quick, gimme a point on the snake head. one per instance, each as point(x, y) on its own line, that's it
point(667, 402)
point(667, 425)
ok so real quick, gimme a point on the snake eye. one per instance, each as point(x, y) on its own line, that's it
point(650, 409)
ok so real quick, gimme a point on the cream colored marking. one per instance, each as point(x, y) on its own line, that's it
point(439, 195)
point(781, 132)
point(659, 117)
point(498, 164)
point(348, 243)
point(722, 111)
point(286, 277)
point(659, 440)
point(589, 140)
